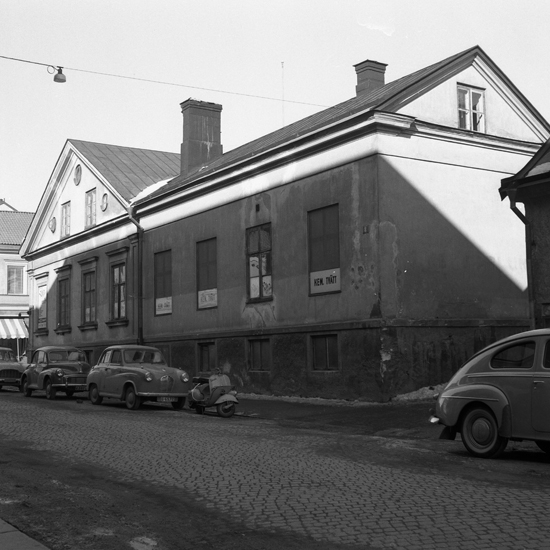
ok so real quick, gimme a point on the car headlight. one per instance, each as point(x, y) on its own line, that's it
point(184, 377)
point(59, 373)
point(148, 377)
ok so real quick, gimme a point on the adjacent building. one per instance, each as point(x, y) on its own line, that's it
point(530, 187)
point(357, 253)
point(14, 295)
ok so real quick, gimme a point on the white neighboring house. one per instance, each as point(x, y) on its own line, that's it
point(14, 295)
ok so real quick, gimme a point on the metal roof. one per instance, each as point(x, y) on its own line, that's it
point(127, 169)
point(364, 102)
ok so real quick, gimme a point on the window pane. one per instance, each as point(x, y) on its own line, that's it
point(319, 353)
point(254, 266)
point(520, 356)
point(253, 241)
point(266, 286)
point(254, 287)
point(462, 98)
point(265, 238)
point(324, 247)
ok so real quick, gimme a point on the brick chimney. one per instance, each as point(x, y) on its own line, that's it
point(370, 76)
point(201, 134)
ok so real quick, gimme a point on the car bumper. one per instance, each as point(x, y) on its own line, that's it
point(158, 394)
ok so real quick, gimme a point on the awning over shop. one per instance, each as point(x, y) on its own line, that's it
point(13, 328)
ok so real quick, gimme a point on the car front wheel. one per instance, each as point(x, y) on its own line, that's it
point(179, 404)
point(94, 396)
point(132, 400)
point(544, 446)
point(480, 434)
point(27, 392)
point(51, 392)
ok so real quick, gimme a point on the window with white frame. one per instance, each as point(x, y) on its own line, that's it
point(471, 108)
point(65, 219)
point(258, 251)
point(15, 279)
point(90, 208)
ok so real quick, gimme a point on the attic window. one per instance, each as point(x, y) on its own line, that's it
point(471, 108)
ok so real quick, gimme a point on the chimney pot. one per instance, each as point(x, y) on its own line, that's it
point(370, 76)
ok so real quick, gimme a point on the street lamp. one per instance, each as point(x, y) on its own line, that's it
point(59, 76)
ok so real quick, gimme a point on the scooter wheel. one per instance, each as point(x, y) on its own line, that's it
point(226, 409)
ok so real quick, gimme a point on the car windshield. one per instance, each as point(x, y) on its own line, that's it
point(6, 355)
point(60, 355)
point(143, 356)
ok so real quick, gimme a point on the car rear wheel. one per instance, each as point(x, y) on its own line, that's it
point(51, 392)
point(27, 392)
point(132, 400)
point(179, 404)
point(544, 446)
point(480, 434)
point(94, 396)
point(226, 409)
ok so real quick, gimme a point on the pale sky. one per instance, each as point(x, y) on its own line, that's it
point(299, 50)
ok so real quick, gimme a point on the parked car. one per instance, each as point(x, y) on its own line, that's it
point(502, 393)
point(10, 369)
point(135, 374)
point(56, 368)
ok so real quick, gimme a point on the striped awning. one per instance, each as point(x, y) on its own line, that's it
point(13, 328)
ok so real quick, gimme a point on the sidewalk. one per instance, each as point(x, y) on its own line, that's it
point(13, 539)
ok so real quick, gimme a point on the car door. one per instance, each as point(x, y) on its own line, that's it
point(111, 379)
point(540, 394)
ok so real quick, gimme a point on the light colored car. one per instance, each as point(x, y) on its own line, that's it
point(10, 369)
point(56, 368)
point(135, 374)
point(502, 393)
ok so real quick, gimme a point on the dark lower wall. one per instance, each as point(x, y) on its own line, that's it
point(376, 362)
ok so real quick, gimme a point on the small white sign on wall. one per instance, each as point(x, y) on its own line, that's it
point(163, 306)
point(208, 298)
point(321, 282)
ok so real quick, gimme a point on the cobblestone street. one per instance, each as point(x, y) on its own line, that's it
point(329, 486)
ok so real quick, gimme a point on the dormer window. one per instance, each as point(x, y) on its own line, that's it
point(65, 219)
point(471, 108)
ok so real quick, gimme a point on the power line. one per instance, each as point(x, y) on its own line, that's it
point(161, 82)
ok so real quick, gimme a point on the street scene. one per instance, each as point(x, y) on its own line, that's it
point(274, 275)
point(281, 474)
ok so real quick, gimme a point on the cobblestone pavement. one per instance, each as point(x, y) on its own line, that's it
point(301, 481)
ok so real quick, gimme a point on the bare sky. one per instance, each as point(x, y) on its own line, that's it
point(299, 50)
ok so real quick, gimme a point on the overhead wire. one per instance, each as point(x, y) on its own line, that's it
point(161, 82)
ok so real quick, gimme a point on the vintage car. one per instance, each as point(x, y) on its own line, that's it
point(56, 368)
point(502, 393)
point(135, 374)
point(10, 369)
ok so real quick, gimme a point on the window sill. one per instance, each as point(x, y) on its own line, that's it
point(63, 330)
point(42, 332)
point(259, 300)
point(118, 323)
point(88, 326)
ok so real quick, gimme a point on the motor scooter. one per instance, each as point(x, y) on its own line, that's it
point(213, 391)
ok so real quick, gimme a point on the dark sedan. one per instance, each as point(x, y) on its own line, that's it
point(56, 368)
point(10, 369)
point(501, 394)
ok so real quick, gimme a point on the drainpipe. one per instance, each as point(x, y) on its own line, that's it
point(140, 233)
point(530, 291)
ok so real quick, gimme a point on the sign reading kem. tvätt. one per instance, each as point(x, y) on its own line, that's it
point(321, 282)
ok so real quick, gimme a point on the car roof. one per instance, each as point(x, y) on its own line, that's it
point(512, 338)
point(130, 346)
point(57, 348)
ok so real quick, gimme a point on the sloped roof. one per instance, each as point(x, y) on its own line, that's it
point(127, 169)
point(14, 226)
point(377, 99)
